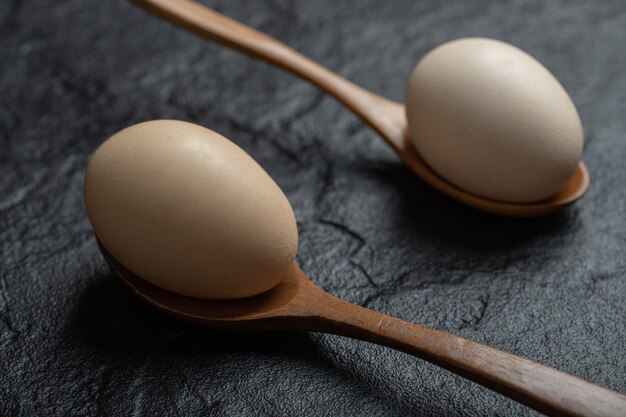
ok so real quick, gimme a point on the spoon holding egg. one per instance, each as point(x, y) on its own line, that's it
point(195, 227)
point(484, 122)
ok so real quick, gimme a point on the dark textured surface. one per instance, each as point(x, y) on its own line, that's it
point(73, 341)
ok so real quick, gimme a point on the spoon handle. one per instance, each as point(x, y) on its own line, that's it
point(385, 116)
point(538, 386)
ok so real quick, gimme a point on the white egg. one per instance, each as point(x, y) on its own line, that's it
point(189, 211)
point(492, 120)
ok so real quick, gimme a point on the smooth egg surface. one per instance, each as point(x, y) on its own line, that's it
point(494, 121)
point(189, 211)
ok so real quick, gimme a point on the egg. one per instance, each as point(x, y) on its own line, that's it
point(189, 211)
point(492, 120)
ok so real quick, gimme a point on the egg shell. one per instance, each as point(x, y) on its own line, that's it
point(189, 211)
point(492, 120)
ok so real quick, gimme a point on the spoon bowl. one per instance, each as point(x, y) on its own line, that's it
point(241, 314)
point(385, 116)
point(572, 191)
point(296, 304)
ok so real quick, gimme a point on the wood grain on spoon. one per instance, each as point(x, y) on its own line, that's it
point(297, 304)
point(385, 116)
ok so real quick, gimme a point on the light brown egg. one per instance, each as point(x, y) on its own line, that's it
point(189, 211)
point(492, 120)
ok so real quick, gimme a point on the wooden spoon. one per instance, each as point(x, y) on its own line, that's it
point(385, 116)
point(297, 304)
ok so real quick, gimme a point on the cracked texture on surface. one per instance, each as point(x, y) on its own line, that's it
point(74, 341)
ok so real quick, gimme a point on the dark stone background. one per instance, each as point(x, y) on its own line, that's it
point(74, 341)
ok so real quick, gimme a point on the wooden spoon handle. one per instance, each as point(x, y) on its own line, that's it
point(385, 116)
point(545, 389)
